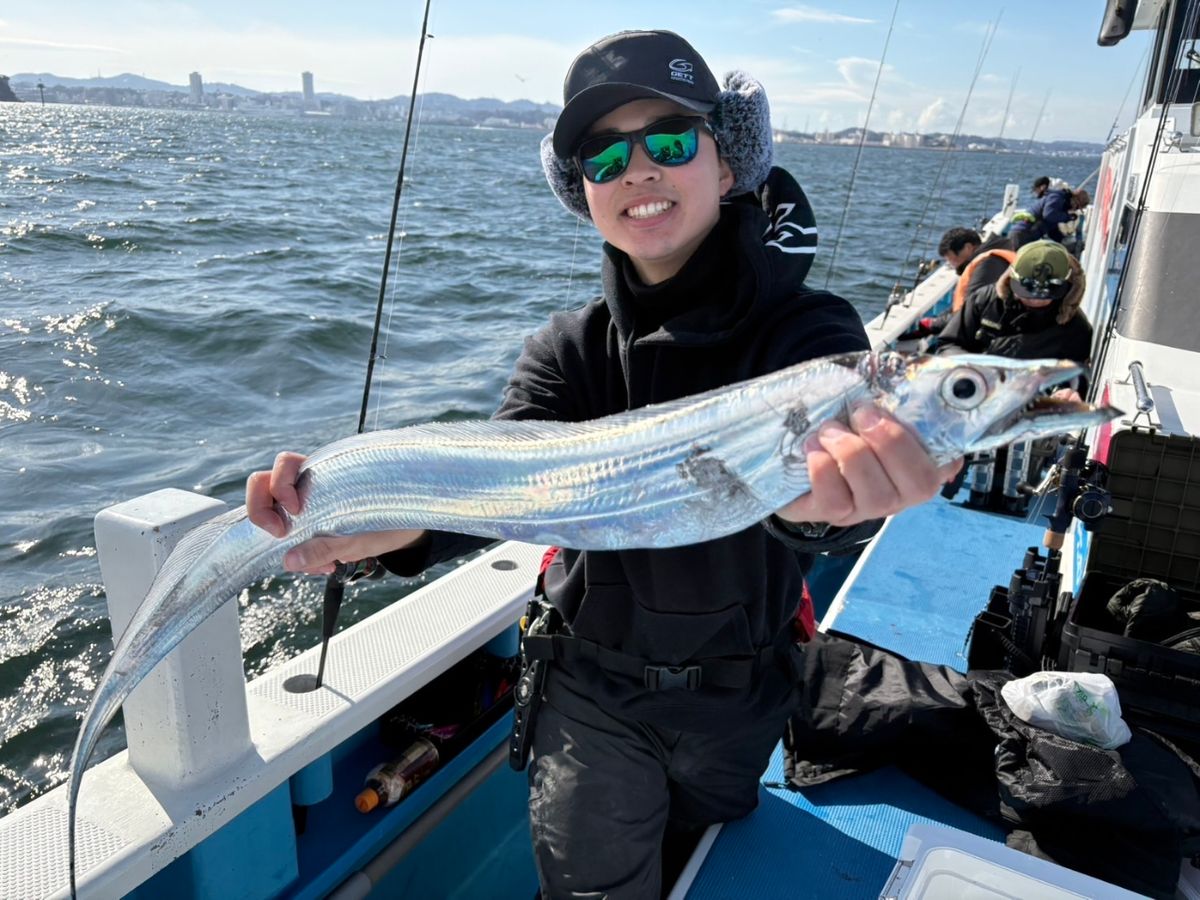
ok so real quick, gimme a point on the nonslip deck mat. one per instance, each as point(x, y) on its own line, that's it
point(927, 577)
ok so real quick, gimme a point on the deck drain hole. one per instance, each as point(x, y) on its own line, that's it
point(300, 684)
point(504, 565)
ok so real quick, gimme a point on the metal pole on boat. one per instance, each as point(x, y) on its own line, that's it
point(335, 584)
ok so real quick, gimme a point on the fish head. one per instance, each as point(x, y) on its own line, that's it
point(965, 403)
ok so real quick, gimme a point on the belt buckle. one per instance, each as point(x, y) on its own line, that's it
point(666, 678)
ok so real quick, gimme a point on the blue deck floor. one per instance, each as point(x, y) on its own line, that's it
point(926, 578)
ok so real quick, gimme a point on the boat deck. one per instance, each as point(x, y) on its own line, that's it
point(841, 840)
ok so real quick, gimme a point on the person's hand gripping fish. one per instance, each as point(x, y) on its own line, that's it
point(268, 491)
point(874, 468)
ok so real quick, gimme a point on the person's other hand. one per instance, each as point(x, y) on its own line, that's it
point(875, 468)
point(268, 492)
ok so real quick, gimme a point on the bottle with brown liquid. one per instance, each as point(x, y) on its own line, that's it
point(390, 782)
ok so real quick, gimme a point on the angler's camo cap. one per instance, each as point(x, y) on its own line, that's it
point(1042, 261)
point(631, 65)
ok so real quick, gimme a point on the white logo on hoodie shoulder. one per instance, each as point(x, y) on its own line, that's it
point(798, 238)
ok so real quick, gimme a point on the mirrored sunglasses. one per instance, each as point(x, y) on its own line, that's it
point(1039, 289)
point(667, 142)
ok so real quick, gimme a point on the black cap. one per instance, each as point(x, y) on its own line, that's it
point(631, 65)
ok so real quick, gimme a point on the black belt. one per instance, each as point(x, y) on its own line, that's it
point(725, 672)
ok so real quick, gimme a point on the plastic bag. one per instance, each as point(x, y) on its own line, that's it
point(1082, 706)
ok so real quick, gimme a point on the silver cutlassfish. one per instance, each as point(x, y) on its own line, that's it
point(675, 473)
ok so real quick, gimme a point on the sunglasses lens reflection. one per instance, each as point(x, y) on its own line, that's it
point(669, 142)
point(604, 158)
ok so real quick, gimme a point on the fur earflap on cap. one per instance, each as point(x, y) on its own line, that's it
point(741, 124)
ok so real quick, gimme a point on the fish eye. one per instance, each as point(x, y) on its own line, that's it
point(964, 388)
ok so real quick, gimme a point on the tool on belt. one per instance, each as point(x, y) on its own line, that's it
point(540, 619)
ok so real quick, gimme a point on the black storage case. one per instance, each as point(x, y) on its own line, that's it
point(1152, 532)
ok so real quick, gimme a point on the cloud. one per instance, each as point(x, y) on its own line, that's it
point(815, 93)
point(792, 14)
point(799, 94)
point(982, 28)
point(53, 45)
point(933, 115)
point(897, 119)
point(859, 73)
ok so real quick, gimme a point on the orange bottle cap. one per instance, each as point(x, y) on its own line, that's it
point(366, 800)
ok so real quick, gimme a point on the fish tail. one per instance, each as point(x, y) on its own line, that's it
point(142, 645)
point(103, 708)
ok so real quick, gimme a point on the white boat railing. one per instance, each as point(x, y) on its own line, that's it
point(204, 746)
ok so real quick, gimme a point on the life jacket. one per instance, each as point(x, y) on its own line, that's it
point(960, 289)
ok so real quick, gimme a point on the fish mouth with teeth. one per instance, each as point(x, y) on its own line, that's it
point(1042, 409)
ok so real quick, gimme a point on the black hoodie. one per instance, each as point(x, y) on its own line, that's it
point(738, 309)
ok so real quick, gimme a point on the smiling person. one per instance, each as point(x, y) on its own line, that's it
point(672, 672)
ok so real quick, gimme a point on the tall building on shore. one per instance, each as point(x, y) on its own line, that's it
point(197, 86)
point(310, 97)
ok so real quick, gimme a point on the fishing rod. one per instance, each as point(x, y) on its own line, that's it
point(1129, 90)
point(983, 216)
point(898, 292)
point(344, 573)
point(939, 192)
point(1095, 172)
point(862, 140)
point(1036, 124)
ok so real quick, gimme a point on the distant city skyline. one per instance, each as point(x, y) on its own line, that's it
point(128, 89)
point(818, 63)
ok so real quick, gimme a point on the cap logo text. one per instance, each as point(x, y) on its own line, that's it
point(681, 70)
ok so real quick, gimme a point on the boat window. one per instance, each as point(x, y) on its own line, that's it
point(1123, 225)
point(1153, 74)
point(1182, 58)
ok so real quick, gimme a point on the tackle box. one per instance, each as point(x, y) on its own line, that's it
point(1153, 532)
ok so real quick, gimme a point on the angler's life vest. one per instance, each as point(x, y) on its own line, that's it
point(960, 289)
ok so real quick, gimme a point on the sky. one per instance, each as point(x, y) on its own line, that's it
point(817, 61)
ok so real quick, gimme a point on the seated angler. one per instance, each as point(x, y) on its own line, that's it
point(1051, 216)
point(1030, 312)
point(979, 264)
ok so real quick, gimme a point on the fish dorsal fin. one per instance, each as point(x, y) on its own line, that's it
point(514, 431)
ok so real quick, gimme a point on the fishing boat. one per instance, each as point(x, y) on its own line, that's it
point(236, 789)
